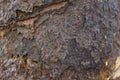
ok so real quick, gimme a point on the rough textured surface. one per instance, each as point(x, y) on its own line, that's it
point(58, 39)
point(9, 8)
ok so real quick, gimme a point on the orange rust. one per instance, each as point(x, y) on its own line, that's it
point(104, 73)
point(2, 34)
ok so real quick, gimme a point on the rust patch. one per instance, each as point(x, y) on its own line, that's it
point(54, 7)
point(2, 34)
point(27, 22)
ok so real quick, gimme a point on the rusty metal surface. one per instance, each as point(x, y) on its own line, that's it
point(57, 39)
point(9, 8)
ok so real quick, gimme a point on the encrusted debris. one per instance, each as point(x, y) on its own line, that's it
point(58, 39)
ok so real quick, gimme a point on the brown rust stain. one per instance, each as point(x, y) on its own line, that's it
point(116, 72)
point(54, 7)
point(30, 20)
point(27, 22)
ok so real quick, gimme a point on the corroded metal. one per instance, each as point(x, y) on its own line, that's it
point(9, 8)
point(58, 39)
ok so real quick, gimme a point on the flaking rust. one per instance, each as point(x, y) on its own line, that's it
point(15, 10)
point(58, 39)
